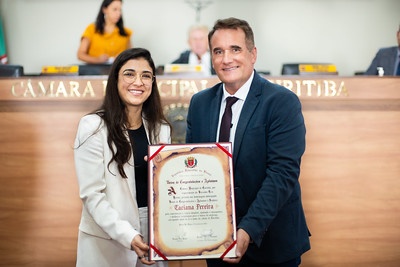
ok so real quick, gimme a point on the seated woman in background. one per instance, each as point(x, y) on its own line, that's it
point(104, 40)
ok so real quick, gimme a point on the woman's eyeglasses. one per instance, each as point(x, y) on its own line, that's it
point(131, 76)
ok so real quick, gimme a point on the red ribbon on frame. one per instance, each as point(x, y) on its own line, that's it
point(158, 252)
point(155, 153)
point(223, 149)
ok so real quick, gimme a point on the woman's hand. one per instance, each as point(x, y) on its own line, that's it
point(141, 249)
point(102, 59)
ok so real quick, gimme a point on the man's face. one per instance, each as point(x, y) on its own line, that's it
point(231, 58)
point(198, 41)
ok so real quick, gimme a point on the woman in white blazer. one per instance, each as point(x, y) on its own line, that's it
point(110, 146)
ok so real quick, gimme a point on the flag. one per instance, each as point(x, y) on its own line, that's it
point(3, 52)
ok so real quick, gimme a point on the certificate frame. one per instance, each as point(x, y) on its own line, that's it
point(191, 201)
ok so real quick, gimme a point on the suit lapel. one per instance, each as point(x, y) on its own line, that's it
point(128, 168)
point(215, 106)
point(129, 171)
point(248, 109)
point(392, 60)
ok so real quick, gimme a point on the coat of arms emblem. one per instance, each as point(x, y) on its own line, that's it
point(190, 162)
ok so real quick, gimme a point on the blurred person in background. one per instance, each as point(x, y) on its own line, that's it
point(386, 61)
point(103, 40)
point(198, 52)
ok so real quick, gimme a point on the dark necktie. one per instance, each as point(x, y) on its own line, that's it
point(225, 128)
point(398, 68)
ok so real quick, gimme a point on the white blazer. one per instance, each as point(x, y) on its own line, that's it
point(110, 215)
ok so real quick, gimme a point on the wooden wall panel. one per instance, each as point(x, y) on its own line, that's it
point(40, 207)
point(350, 175)
point(351, 193)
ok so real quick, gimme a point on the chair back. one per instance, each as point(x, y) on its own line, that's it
point(11, 70)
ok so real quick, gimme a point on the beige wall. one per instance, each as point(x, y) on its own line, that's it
point(345, 32)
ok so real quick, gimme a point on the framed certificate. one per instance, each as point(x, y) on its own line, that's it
point(191, 202)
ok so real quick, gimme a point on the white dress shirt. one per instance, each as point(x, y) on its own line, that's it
point(241, 94)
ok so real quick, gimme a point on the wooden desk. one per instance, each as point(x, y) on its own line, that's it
point(350, 172)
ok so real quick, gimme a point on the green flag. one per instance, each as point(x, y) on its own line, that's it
point(3, 52)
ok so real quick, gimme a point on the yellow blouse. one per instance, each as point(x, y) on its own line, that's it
point(110, 44)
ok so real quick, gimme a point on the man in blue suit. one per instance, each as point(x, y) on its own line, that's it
point(388, 59)
point(267, 132)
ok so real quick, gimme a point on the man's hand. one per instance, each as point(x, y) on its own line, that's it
point(243, 240)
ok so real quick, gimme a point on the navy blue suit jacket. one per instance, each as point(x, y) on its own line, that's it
point(268, 145)
point(385, 58)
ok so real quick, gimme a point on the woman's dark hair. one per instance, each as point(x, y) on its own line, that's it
point(113, 110)
point(100, 21)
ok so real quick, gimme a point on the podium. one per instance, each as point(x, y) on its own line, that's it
point(349, 175)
